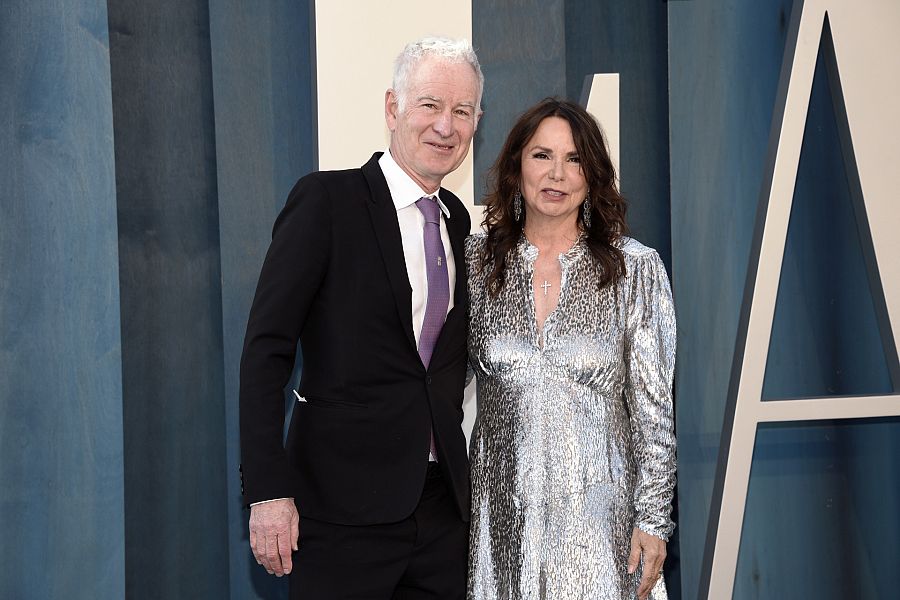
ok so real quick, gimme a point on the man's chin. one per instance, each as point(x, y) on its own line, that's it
point(443, 168)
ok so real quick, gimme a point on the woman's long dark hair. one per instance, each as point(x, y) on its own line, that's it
point(607, 205)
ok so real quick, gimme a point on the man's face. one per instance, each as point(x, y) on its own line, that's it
point(431, 136)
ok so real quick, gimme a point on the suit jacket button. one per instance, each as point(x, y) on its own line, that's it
point(428, 379)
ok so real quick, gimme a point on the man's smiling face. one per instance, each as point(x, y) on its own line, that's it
point(431, 134)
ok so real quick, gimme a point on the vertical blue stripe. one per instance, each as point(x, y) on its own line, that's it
point(172, 362)
point(61, 466)
point(724, 63)
point(629, 38)
point(263, 78)
point(521, 48)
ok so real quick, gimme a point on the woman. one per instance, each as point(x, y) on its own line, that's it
point(572, 338)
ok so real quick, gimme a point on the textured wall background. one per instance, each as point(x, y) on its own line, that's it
point(813, 528)
point(147, 148)
point(61, 457)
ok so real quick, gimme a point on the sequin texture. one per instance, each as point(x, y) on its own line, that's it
point(573, 445)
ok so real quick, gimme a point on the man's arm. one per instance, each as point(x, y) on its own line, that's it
point(294, 267)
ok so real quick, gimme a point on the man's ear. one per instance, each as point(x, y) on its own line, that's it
point(390, 109)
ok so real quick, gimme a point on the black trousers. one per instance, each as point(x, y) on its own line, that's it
point(423, 557)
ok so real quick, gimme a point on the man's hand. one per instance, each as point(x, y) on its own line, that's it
point(274, 531)
point(654, 551)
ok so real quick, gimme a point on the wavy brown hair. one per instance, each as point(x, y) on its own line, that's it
point(607, 204)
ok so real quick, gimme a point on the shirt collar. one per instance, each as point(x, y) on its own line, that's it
point(404, 191)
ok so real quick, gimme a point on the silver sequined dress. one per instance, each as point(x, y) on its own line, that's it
point(573, 445)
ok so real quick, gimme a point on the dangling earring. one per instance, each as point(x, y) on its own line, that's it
point(517, 205)
point(586, 212)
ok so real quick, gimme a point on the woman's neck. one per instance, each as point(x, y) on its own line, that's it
point(552, 235)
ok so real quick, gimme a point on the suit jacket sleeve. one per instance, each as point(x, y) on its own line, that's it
point(294, 268)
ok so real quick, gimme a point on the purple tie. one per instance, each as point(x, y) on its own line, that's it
point(438, 284)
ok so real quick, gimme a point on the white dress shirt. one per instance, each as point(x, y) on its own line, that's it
point(405, 192)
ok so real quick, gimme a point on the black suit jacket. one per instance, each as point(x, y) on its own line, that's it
point(335, 278)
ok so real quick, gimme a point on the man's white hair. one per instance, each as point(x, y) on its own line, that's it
point(454, 51)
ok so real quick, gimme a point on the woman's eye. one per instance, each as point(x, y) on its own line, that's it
point(541, 155)
point(574, 159)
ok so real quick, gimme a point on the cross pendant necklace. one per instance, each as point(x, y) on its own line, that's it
point(546, 285)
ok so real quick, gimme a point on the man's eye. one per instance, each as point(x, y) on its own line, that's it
point(429, 105)
point(463, 113)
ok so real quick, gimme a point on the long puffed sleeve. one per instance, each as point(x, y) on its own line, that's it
point(650, 364)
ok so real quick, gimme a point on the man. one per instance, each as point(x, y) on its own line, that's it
point(370, 496)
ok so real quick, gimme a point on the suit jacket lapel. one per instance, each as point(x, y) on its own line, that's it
point(387, 231)
point(457, 242)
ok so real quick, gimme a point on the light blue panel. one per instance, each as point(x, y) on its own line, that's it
point(263, 80)
point(724, 63)
point(522, 49)
point(172, 362)
point(61, 465)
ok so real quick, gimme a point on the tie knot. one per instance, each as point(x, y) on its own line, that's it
point(430, 209)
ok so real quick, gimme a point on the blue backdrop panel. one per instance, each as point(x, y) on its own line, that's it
point(724, 63)
point(61, 465)
point(521, 47)
point(831, 528)
point(263, 78)
point(629, 38)
point(824, 292)
point(172, 364)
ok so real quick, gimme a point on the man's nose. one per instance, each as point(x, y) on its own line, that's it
point(443, 124)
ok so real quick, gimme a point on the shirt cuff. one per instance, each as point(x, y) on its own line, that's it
point(267, 501)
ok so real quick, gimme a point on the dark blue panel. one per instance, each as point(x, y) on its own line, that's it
point(825, 337)
point(521, 47)
point(172, 363)
point(790, 547)
point(263, 78)
point(821, 517)
point(869, 462)
point(61, 468)
point(629, 38)
point(724, 63)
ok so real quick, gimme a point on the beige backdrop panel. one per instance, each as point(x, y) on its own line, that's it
point(356, 43)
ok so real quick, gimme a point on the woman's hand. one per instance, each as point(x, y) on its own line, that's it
point(653, 550)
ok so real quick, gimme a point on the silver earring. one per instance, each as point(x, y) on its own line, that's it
point(586, 212)
point(517, 205)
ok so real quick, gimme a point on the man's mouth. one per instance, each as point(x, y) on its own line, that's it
point(441, 147)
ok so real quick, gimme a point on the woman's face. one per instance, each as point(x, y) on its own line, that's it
point(553, 185)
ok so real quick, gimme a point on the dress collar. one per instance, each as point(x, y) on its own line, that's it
point(529, 251)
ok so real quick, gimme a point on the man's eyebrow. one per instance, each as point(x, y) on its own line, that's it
point(432, 98)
